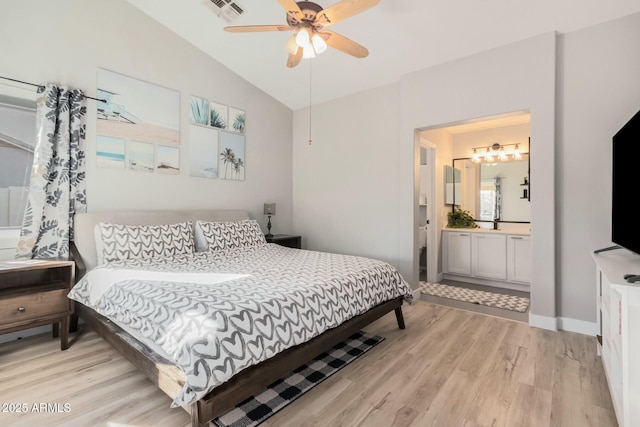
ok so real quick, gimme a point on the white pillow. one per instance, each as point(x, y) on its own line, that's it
point(213, 236)
point(120, 242)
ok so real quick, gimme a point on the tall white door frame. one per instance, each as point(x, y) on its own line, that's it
point(430, 191)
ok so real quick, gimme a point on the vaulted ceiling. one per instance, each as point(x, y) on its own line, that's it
point(402, 36)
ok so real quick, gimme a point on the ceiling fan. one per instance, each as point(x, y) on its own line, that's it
point(308, 20)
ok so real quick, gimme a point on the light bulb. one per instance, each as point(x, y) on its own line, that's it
point(516, 153)
point(319, 45)
point(488, 156)
point(475, 158)
point(307, 52)
point(503, 155)
point(302, 38)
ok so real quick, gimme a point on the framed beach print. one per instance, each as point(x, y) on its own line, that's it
point(140, 156)
point(218, 117)
point(110, 152)
point(199, 111)
point(140, 117)
point(203, 152)
point(236, 120)
point(232, 156)
point(167, 160)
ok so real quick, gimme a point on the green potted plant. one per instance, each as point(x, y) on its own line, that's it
point(461, 219)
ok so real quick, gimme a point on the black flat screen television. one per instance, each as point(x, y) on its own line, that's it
point(625, 230)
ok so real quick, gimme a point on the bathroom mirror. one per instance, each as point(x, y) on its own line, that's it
point(452, 185)
point(496, 190)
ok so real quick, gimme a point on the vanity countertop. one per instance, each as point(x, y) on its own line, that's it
point(517, 231)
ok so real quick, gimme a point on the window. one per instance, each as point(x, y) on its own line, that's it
point(17, 142)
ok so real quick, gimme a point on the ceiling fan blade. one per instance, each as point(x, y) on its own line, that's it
point(292, 9)
point(294, 60)
point(342, 10)
point(344, 44)
point(257, 28)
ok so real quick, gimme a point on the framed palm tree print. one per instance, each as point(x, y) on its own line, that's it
point(231, 163)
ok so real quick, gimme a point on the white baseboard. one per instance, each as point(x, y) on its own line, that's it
point(578, 326)
point(416, 294)
point(543, 322)
point(563, 324)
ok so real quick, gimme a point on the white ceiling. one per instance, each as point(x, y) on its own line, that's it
point(402, 36)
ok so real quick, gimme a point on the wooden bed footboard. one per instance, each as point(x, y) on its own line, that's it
point(170, 379)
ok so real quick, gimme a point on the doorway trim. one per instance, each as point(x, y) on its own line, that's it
point(432, 235)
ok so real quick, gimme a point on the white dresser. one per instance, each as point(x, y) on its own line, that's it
point(618, 317)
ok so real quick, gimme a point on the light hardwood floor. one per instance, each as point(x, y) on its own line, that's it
point(450, 367)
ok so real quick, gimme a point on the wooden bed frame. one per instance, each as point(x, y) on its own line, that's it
point(170, 379)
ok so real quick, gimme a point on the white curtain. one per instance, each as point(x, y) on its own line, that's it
point(57, 189)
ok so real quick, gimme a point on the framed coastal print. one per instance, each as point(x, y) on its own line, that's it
point(141, 114)
point(203, 152)
point(167, 160)
point(199, 111)
point(218, 115)
point(140, 156)
point(236, 120)
point(110, 152)
point(232, 156)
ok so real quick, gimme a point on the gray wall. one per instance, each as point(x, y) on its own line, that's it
point(67, 41)
point(578, 97)
point(598, 91)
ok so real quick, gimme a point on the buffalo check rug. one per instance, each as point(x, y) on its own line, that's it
point(259, 408)
point(490, 299)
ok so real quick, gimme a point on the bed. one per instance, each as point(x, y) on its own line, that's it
point(209, 311)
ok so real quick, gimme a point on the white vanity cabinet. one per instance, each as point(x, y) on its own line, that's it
point(618, 323)
point(518, 258)
point(487, 257)
point(457, 250)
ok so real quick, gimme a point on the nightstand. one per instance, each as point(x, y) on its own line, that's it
point(286, 240)
point(34, 293)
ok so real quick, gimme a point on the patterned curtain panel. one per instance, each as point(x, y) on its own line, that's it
point(57, 189)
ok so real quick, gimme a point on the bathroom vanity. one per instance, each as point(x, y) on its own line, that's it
point(499, 258)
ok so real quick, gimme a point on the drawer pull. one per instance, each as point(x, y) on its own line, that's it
point(22, 309)
point(463, 234)
point(516, 238)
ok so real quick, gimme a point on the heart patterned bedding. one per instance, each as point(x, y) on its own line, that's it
point(216, 313)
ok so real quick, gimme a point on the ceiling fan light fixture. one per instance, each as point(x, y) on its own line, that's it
point(308, 52)
point(303, 38)
point(319, 45)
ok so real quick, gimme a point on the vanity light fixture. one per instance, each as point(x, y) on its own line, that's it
point(516, 153)
point(491, 151)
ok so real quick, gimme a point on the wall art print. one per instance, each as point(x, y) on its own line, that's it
point(110, 152)
point(203, 152)
point(218, 115)
point(137, 113)
point(237, 120)
point(140, 156)
point(167, 160)
point(199, 111)
point(232, 156)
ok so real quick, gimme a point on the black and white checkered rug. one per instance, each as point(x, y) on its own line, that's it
point(257, 409)
point(490, 299)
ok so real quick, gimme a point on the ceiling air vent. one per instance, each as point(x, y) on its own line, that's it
point(229, 10)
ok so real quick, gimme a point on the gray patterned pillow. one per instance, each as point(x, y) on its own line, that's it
point(120, 242)
point(214, 236)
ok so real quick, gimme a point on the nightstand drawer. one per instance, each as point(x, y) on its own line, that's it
point(32, 306)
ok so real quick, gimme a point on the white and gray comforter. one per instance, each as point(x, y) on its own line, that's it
point(216, 313)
